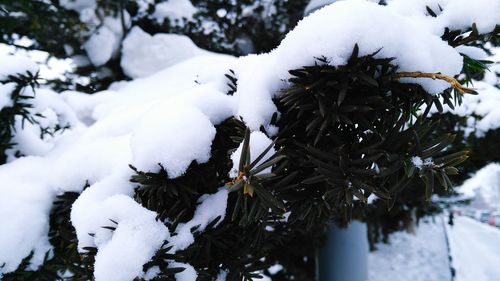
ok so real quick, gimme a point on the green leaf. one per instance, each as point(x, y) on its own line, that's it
point(267, 164)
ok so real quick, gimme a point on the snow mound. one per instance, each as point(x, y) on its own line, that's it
point(162, 138)
point(143, 54)
point(485, 183)
point(15, 64)
point(105, 42)
point(175, 11)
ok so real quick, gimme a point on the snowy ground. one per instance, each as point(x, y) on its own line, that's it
point(420, 257)
point(475, 248)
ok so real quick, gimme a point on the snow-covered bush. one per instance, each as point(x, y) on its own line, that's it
point(31, 119)
point(210, 169)
point(91, 32)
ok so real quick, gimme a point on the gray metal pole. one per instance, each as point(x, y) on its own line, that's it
point(344, 256)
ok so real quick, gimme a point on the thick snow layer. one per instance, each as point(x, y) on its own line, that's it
point(484, 183)
point(331, 32)
point(412, 257)
point(411, 43)
point(169, 117)
point(143, 54)
point(137, 236)
point(169, 142)
point(15, 64)
point(475, 248)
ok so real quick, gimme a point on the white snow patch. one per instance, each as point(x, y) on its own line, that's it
point(78, 5)
point(188, 274)
point(472, 52)
point(143, 54)
point(412, 257)
point(161, 139)
point(100, 46)
point(258, 144)
point(5, 94)
point(134, 241)
point(475, 248)
point(484, 106)
point(210, 207)
point(16, 64)
point(175, 11)
point(486, 183)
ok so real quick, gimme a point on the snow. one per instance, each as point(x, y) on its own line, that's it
point(484, 106)
point(143, 54)
point(137, 237)
point(472, 52)
point(168, 116)
point(188, 274)
point(484, 183)
point(24, 212)
point(412, 257)
point(161, 138)
point(475, 248)
point(316, 4)
point(152, 273)
point(5, 94)
point(210, 207)
point(175, 11)
point(423, 51)
point(419, 163)
point(100, 46)
point(52, 112)
point(16, 64)
point(258, 144)
point(480, 110)
point(78, 5)
point(48, 67)
point(460, 15)
point(105, 33)
point(456, 14)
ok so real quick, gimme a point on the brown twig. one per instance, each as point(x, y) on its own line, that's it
point(452, 81)
point(236, 180)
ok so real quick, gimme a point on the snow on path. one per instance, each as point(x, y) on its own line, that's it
point(408, 257)
point(475, 248)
